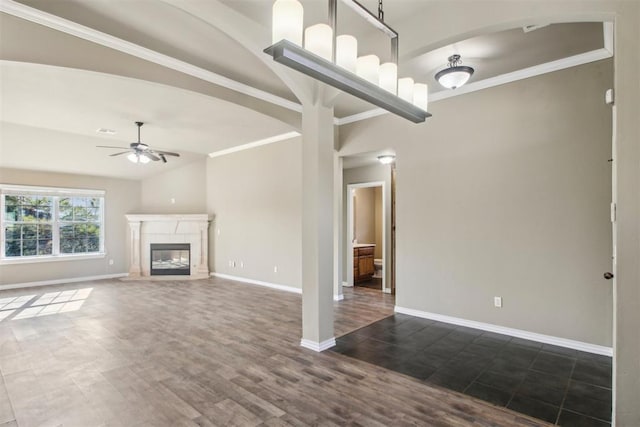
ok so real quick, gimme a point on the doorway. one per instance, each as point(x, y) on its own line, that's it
point(368, 261)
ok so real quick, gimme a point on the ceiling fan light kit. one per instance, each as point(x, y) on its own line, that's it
point(138, 158)
point(334, 60)
point(139, 152)
point(456, 74)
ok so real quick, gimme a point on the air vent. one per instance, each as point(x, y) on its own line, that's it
point(106, 131)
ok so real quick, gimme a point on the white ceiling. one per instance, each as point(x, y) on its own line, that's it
point(70, 103)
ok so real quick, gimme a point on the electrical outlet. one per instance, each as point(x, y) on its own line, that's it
point(230, 263)
point(275, 268)
point(241, 264)
point(497, 302)
point(110, 262)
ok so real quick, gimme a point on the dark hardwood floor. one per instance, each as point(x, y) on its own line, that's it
point(202, 353)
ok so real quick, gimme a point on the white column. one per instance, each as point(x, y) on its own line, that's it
point(134, 237)
point(203, 261)
point(317, 227)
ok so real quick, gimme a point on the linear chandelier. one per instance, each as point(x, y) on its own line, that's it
point(334, 60)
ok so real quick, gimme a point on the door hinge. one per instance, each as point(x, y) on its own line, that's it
point(613, 212)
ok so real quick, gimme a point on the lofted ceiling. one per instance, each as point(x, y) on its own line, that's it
point(66, 86)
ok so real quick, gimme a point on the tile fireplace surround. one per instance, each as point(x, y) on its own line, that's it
point(147, 229)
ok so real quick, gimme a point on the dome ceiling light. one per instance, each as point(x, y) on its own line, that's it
point(455, 75)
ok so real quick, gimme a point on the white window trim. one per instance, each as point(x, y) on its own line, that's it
point(51, 258)
point(11, 189)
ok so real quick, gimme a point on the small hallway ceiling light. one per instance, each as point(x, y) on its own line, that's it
point(320, 53)
point(456, 74)
point(386, 159)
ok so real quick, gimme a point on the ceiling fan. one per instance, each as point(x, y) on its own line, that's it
point(140, 152)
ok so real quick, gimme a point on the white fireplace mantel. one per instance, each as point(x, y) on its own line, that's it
point(145, 229)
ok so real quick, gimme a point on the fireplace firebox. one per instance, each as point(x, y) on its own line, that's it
point(169, 259)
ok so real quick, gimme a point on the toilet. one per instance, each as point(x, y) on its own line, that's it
point(378, 265)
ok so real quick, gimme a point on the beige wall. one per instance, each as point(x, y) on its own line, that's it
point(364, 215)
point(514, 202)
point(121, 197)
point(255, 196)
point(177, 191)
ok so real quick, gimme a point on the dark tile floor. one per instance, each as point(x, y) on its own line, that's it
point(559, 385)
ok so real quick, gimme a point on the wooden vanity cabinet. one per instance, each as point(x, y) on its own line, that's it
point(363, 268)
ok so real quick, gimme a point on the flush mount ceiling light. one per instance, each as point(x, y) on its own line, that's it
point(386, 159)
point(455, 75)
point(334, 60)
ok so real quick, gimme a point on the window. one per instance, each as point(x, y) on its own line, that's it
point(41, 223)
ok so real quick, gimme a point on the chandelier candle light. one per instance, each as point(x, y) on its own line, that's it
point(335, 61)
point(347, 52)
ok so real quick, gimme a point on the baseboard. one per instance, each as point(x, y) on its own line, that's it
point(318, 346)
point(338, 297)
point(518, 333)
point(61, 281)
point(347, 284)
point(258, 282)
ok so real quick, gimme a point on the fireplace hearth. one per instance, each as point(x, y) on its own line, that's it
point(170, 259)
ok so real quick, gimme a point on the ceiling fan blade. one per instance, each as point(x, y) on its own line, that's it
point(167, 153)
point(150, 154)
point(111, 146)
point(117, 154)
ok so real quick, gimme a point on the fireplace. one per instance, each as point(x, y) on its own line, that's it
point(170, 259)
point(183, 232)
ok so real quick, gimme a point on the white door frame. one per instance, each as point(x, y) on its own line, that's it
point(386, 260)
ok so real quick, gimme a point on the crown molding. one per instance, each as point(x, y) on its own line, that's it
point(607, 30)
point(254, 144)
